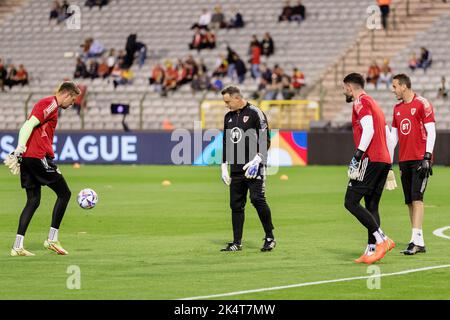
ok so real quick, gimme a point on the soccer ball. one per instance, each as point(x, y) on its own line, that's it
point(87, 198)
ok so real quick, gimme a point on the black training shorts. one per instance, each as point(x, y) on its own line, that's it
point(36, 172)
point(372, 177)
point(413, 184)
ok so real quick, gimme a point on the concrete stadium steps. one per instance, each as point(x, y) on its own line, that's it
point(412, 32)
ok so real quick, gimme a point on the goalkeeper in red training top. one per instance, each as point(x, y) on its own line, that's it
point(369, 167)
point(33, 159)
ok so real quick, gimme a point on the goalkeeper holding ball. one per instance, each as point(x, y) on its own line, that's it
point(33, 159)
point(245, 143)
point(369, 167)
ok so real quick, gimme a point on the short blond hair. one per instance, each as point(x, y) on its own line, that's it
point(69, 86)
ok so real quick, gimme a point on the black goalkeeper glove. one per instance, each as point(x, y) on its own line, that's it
point(355, 165)
point(425, 168)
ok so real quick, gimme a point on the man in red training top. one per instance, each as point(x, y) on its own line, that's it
point(413, 127)
point(369, 167)
point(33, 159)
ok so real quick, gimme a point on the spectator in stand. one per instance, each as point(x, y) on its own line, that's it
point(121, 58)
point(373, 74)
point(218, 19)
point(298, 12)
point(182, 72)
point(99, 3)
point(267, 45)
point(205, 19)
point(80, 69)
point(386, 74)
point(96, 48)
point(157, 78)
point(278, 72)
point(425, 59)
point(3, 75)
point(10, 77)
point(201, 81)
point(126, 77)
point(443, 91)
point(197, 40)
point(231, 55)
point(266, 77)
point(116, 72)
point(80, 101)
point(287, 92)
point(171, 76)
point(103, 69)
point(286, 13)
point(209, 39)
point(384, 8)
point(93, 69)
point(221, 67)
point(130, 49)
point(241, 69)
point(21, 76)
point(111, 60)
point(298, 80)
point(255, 60)
point(237, 21)
point(412, 63)
point(63, 14)
point(272, 88)
point(56, 9)
point(217, 85)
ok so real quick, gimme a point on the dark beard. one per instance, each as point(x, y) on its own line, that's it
point(348, 99)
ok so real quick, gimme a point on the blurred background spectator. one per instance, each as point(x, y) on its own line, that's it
point(298, 12)
point(255, 57)
point(412, 63)
point(267, 45)
point(443, 92)
point(384, 9)
point(373, 74)
point(236, 21)
point(205, 18)
point(93, 3)
point(425, 59)
point(218, 19)
point(385, 74)
point(3, 74)
point(286, 12)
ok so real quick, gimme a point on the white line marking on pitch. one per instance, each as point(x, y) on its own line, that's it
point(314, 283)
point(440, 232)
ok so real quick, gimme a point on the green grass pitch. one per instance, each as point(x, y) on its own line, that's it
point(146, 241)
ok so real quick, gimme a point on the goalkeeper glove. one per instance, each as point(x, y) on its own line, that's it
point(14, 159)
point(225, 176)
point(424, 168)
point(355, 165)
point(252, 167)
point(391, 183)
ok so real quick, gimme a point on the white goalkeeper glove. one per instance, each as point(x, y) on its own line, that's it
point(225, 176)
point(252, 167)
point(12, 161)
point(390, 184)
point(355, 165)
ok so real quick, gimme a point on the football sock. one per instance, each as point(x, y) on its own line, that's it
point(417, 237)
point(18, 244)
point(379, 236)
point(53, 234)
point(370, 250)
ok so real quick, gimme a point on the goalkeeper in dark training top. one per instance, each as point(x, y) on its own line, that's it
point(246, 141)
